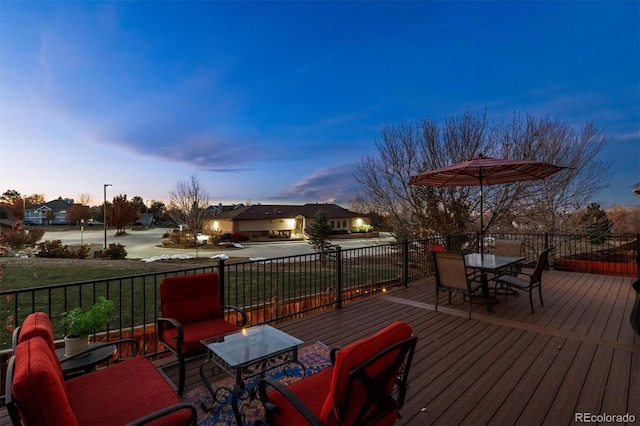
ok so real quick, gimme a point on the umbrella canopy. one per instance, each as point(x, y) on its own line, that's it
point(485, 171)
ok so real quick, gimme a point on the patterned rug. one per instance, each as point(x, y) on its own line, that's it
point(314, 357)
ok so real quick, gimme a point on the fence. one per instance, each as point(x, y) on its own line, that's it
point(281, 288)
point(269, 290)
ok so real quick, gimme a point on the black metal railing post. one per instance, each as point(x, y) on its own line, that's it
point(221, 275)
point(546, 240)
point(338, 277)
point(638, 256)
point(405, 263)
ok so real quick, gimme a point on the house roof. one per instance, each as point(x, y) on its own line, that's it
point(145, 219)
point(264, 211)
point(52, 205)
point(7, 223)
point(221, 208)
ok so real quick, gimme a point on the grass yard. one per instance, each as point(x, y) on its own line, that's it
point(35, 272)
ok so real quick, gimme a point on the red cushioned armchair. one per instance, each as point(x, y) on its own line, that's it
point(367, 384)
point(190, 312)
point(129, 392)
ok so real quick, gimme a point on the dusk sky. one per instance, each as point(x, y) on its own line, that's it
point(277, 102)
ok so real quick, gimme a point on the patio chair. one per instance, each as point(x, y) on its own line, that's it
point(452, 276)
point(130, 392)
point(366, 385)
point(510, 248)
point(525, 281)
point(190, 312)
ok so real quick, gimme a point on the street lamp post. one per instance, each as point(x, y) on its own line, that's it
point(104, 210)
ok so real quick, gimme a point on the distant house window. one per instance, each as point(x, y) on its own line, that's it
point(338, 224)
point(332, 224)
point(344, 223)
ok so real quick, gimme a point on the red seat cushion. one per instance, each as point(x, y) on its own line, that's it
point(38, 388)
point(122, 393)
point(194, 333)
point(191, 298)
point(312, 391)
point(353, 356)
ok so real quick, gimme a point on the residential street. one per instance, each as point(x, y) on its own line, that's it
point(148, 243)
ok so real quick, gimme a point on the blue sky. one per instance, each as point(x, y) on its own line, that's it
point(276, 102)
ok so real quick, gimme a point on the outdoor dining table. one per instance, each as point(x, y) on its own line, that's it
point(490, 264)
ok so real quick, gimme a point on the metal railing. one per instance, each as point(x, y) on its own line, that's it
point(270, 290)
point(280, 288)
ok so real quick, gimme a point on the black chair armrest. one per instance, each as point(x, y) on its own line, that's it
point(165, 411)
point(294, 400)
point(332, 355)
point(179, 339)
point(241, 312)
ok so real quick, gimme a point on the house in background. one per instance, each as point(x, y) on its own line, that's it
point(220, 208)
point(145, 219)
point(283, 220)
point(50, 213)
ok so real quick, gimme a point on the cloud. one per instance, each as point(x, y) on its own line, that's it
point(333, 185)
point(627, 136)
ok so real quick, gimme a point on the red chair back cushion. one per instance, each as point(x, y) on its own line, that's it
point(191, 298)
point(37, 324)
point(354, 356)
point(38, 387)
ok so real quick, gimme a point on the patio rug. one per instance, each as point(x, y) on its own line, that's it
point(314, 357)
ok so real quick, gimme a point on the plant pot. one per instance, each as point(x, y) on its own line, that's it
point(75, 345)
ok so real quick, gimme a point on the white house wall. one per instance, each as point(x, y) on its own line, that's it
point(260, 225)
point(276, 224)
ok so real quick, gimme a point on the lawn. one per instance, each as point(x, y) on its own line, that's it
point(35, 272)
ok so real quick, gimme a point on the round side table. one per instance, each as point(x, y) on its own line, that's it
point(86, 363)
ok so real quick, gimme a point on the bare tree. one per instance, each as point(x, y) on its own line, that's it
point(188, 202)
point(85, 199)
point(541, 205)
point(626, 220)
point(407, 149)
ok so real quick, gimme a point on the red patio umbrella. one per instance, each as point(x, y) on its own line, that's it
point(485, 171)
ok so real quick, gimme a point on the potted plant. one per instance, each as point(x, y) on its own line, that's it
point(79, 323)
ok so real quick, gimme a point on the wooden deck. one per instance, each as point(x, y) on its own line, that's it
point(577, 354)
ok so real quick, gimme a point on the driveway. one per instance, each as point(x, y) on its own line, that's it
point(148, 243)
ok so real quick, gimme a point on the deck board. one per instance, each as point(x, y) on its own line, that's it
point(578, 353)
point(562, 407)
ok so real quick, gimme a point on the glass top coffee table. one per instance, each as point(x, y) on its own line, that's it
point(247, 354)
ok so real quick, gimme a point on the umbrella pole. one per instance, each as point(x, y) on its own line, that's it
point(481, 220)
